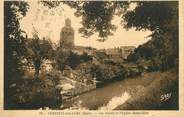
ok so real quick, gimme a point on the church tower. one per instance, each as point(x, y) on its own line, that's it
point(67, 35)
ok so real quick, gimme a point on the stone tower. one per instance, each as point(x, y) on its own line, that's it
point(67, 35)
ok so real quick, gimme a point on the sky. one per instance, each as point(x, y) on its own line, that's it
point(49, 22)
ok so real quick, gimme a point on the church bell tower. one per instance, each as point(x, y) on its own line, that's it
point(67, 35)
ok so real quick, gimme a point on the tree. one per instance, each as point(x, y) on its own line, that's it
point(69, 58)
point(161, 18)
point(14, 45)
point(14, 37)
point(85, 57)
point(73, 60)
point(61, 58)
point(38, 51)
point(96, 15)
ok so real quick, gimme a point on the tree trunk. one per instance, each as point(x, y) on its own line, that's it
point(37, 64)
point(36, 75)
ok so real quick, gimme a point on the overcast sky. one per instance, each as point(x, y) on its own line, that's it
point(49, 22)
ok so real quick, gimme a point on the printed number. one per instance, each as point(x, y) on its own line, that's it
point(165, 97)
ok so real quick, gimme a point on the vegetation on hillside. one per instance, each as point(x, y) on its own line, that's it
point(161, 94)
point(162, 19)
point(69, 58)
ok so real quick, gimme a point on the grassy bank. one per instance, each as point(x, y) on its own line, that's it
point(161, 94)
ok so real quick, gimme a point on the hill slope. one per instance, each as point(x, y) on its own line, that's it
point(162, 94)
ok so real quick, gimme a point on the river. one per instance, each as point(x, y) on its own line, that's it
point(110, 95)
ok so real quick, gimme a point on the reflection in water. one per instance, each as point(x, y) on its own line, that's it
point(85, 104)
point(116, 101)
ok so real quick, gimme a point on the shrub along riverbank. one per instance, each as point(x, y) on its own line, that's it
point(161, 94)
point(33, 93)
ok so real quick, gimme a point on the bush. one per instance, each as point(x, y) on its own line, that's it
point(37, 93)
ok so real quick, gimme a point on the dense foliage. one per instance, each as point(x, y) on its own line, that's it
point(96, 15)
point(162, 19)
point(20, 93)
point(14, 42)
point(159, 53)
point(38, 51)
point(70, 59)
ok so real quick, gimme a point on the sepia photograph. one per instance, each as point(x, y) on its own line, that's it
point(91, 55)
